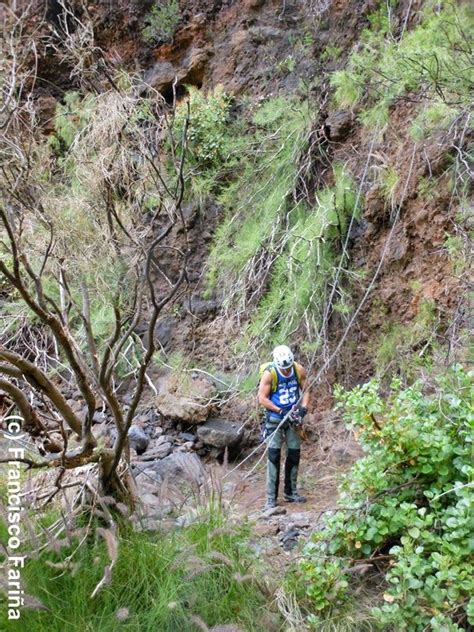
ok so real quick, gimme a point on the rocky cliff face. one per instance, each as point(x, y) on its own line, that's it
point(257, 48)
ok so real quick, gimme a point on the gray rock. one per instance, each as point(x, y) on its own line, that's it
point(161, 75)
point(273, 511)
point(188, 70)
point(220, 433)
point(263, 33)
point(190, 214)
point(301, 519)
point(164, 331)
point(162, 334)
point(190, 403)
point(138, 439)
point(187, 436)
point(339, 125)
point(202, 307)
point(99, 417)
point(160, 452)
point(175, 468)
point(163, 439)
point(289, 539)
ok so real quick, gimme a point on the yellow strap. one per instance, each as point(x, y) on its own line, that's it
point(274, 374)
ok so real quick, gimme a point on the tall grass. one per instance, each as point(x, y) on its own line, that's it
point(163, 580)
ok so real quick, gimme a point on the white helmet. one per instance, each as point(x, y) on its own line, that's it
point(283, 357)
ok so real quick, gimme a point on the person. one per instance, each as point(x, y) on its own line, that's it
point(279, 392)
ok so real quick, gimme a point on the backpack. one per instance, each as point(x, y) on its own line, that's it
point(270, 366)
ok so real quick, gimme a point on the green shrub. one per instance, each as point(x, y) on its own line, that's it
point(331, 53)
point(161, 22)
point(208, 133)
point(286, 66)
point(434, 116)
point(388, 179)
point(409, 500)
point(71, 116)
point(272, 255)
point(256, 199)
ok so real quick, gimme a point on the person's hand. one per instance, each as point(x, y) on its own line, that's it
point(295, 416)
point(302, 411)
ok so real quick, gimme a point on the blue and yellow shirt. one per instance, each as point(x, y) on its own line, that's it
point(286, 393)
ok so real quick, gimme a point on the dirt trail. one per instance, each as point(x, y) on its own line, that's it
point(325, 458)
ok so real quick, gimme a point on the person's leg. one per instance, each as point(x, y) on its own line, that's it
point(274, 441)
point(293, 445)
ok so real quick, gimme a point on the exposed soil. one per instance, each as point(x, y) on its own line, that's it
point(279, 536)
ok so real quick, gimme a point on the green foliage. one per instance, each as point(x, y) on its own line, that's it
point(457, 247)
point(161, 22)
point(433, 58)
point(162, 579)
point(428, 188)
point(256, 199)
point(432, 117)
point(331, 53)
point(407, 347)
point(388, 179)
point(264, 222)
point(208, 142)
point(263, 217)
point(348, 88)
point(409, 498)
point(307, 263)
point(71, 117)
point(286, 66)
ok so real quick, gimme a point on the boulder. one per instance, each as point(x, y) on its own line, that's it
point(164, 331)
point(188, 402)
point(159, 452)
point(187, 436)
point(220, 433)
point(339, 125)
point(161, 76)
point(202, 307)
point(137, 439)
point(175, 469)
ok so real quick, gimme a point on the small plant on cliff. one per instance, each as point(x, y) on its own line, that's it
point(388, 179)
point(406, 508)
point(161, 23)
point(71, 116)
point(409, 346)
point(208, 138)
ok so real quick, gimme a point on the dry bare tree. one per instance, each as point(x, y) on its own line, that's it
point(86, 218)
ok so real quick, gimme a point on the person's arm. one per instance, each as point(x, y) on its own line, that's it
point(264, 391)
point(303, 378)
